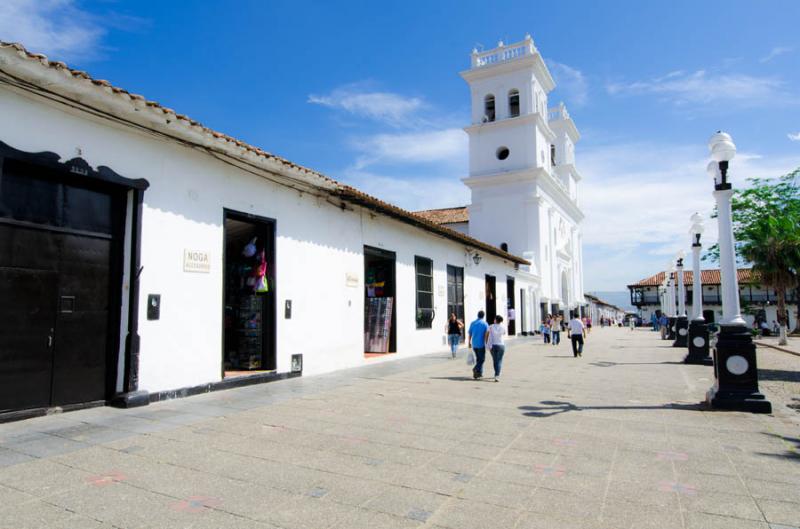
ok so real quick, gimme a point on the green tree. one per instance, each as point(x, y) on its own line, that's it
point(766, 225)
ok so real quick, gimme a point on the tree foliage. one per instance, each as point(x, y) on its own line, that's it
point(766, 226)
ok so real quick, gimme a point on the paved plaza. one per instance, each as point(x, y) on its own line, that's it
point(616, 439)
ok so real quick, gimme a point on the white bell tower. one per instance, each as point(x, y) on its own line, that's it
point(522, 171)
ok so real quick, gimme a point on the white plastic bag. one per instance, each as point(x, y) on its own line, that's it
point(471, 358)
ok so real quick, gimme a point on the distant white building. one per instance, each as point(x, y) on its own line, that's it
point(757, 301)
point(522, 175)
point(599, 308)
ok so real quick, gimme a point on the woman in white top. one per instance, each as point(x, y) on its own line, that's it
point(494, 342)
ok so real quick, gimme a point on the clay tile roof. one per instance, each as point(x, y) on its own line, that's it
point(445, 215)
point(707, 277)
point(346, 192)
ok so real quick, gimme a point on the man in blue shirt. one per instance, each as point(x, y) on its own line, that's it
point(477, 341)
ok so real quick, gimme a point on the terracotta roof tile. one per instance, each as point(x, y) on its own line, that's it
point(342, 190)
point(445, 215)
point(707, 277)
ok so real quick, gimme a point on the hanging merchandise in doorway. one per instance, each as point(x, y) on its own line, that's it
point(379, 306)
point(249, 303)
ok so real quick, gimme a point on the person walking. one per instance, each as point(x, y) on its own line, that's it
point(454, 328)
point(663, 323)
point(477, 342)
point(494, 340)
point(555, 330)
point(576, 334)
point(546, 329)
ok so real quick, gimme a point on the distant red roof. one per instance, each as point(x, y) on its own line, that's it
point(707, 277)
point(445, 215)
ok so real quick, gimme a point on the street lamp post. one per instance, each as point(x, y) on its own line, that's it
point(681, 322)
point(698, 330)
point(672, 315)
point(735, 370)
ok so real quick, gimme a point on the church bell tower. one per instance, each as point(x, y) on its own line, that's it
point(522, 174)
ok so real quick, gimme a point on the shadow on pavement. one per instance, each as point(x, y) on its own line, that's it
point(612, 364)
point(549, 408)
point(793, 447)
point(467, 379)
point(779, 374)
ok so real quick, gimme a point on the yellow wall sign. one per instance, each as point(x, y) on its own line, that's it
point(196, 261)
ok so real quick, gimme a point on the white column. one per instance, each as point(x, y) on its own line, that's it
point(731, 311)
point(681, 292)
point(697, 284)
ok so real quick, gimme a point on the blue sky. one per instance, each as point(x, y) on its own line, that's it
point(369, 92)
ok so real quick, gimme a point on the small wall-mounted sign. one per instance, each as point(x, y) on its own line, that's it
point(441, 291)
point(351, 279)
point(196, 261)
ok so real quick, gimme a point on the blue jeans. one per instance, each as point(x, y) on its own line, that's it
point(497, 358)
point(453, 340)
point(556, 337)
point(480, 357)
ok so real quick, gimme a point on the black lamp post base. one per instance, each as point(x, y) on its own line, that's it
point(681, 332)
point(736, 373)
point(671, 331)
point(698, 344)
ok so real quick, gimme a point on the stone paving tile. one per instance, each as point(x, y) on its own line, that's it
point(417, 505)
point(723, 504)
point(38, 515)
point(699, 520)
point(467, 514)
point(780, 512)
point(43, 477)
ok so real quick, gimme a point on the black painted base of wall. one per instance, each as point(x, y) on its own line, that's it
point(19, 415)
point(228, 383)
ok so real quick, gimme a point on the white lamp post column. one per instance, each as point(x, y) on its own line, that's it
point(681, 322)
point(698, 330)
point(735, 370)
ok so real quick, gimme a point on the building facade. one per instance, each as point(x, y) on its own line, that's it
point(758, 302)
point(598, 308)
point(144, 256)
point(522, 174)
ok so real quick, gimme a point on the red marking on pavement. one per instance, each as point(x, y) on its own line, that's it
point(106, 479)
point(549, 471)
point(564, 442)
point(196, 504)
point(680, 488)
point(672, 456)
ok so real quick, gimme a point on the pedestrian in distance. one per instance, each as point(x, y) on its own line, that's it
point(477, 342)
point(454, 328)
point(577, 332)
point(494, 340)
point(546, 329)
point(555, 330)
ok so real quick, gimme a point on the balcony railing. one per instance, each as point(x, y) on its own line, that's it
point(503, 53)
point(556, 113)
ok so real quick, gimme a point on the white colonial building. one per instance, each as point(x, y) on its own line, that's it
point(144, 256)
point(522, 175)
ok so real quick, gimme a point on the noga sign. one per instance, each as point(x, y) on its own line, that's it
point(196, 261)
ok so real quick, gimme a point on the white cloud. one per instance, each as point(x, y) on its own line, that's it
point(57, 28)
point(445, 146)
point(571, 83)
point(387, 107)
point(775, 52)
point(700, 87)
point(794, 137)
point(413, 194)
point(638, 198)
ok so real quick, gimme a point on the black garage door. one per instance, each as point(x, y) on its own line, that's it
point(59, 285)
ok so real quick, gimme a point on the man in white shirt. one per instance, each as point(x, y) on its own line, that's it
point(576, 334)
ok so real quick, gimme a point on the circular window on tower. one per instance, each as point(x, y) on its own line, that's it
point(502, 153)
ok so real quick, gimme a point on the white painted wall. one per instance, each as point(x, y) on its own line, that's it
point(317, 246)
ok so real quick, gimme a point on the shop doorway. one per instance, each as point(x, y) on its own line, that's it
point(60, 285)
point(455, 293)
point(511, 309)
point(380, 311)
point(491, 298)
point(708, 315)
point(523, 321)
point(249, 320)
